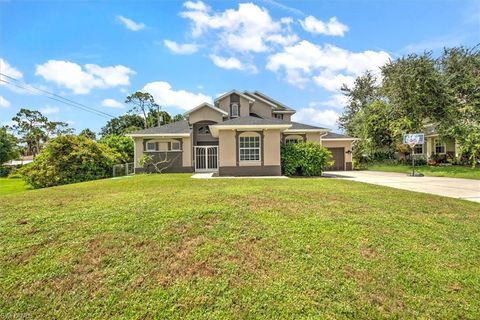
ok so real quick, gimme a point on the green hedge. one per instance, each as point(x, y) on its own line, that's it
point(305, 159)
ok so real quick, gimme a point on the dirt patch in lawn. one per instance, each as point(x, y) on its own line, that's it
point(184, 259)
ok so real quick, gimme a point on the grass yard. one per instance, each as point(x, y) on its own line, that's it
point(12, 185)
point(168, 246)
point(433, 171)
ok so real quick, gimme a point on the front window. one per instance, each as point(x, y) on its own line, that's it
point(204, 130)
point(249, 148)
point(151, 146)
point(418, 149)
point(439, 146)
point(175, 146)
point(278, 116)
point(293, 139)
point(234, 108)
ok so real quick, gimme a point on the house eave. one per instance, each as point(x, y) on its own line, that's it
point(284, 111)
point(305, 130)
point(215, 129)
point(340, 139)
point(158, 135)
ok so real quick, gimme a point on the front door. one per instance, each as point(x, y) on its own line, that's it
point(206, 158)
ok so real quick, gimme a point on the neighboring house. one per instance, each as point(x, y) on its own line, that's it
point(19, 162)
point(434, 145)
point(240, 135)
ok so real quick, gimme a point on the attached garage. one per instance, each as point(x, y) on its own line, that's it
point(341, 148)
point(338, 155)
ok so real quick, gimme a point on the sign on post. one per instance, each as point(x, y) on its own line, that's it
point(412, 140)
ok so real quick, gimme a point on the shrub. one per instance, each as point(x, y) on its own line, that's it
point(120, 144)
point(305, 159)
point(69, 159)
point(5, 171)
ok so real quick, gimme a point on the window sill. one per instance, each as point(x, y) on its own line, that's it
point(243, 163)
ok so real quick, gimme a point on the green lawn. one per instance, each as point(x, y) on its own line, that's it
point(14, 185)
point(168, 246)
point(434, 171)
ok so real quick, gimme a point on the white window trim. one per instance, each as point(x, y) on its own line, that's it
point(148, 149)
point(435, 146)
point(237, 105)
point(293, 137)
point(423, 149)
point(179, 146)
point(252, 162)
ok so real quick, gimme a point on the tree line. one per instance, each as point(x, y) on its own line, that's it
point(414, 91)
point(30, 129)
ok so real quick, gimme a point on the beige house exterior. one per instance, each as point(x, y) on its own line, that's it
point(435, 146)
point(239, 135)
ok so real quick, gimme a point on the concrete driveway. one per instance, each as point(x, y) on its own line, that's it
point(466, 189)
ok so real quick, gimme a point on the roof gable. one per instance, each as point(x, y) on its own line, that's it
point(206, 105)
point(273, 101)
point(236, 92)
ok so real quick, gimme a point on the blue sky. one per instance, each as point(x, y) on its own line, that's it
point(184, 53)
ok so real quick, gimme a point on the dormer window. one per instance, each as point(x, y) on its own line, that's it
point(278, 116)
point(234, 112)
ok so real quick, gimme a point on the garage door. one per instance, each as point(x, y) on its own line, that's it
point(338, 155)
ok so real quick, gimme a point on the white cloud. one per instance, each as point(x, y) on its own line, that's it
point(331, 28)
point(4, 103)
point(250, 28)
point(232, 64)
point(326, 118)
point(198, 6)
point(82, 81)
point(7, 69)
point(337, 101)
point(333, 81)
point(112, 103)
point(164, 95)
point(130, 24)
point(186, 48)
point(50, 110)
point(328, 66)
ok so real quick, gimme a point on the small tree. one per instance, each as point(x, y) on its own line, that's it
point(178, 117)
point(143, 103)
point(34, 129)
point(123, 124)
point(158, 118)
point(159, 166)
point(87, 133)
point(8, 146)
point(122, 145)
point(305, 159)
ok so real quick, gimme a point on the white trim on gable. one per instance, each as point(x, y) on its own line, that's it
point(206, 104)
point(236, 92)
point(273, 105)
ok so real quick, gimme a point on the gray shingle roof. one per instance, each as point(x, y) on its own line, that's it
point(279, 104)
point(174, 127)
point(300, 126)
point(333, 135)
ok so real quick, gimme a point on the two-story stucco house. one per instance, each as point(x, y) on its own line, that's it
point(240, 135)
